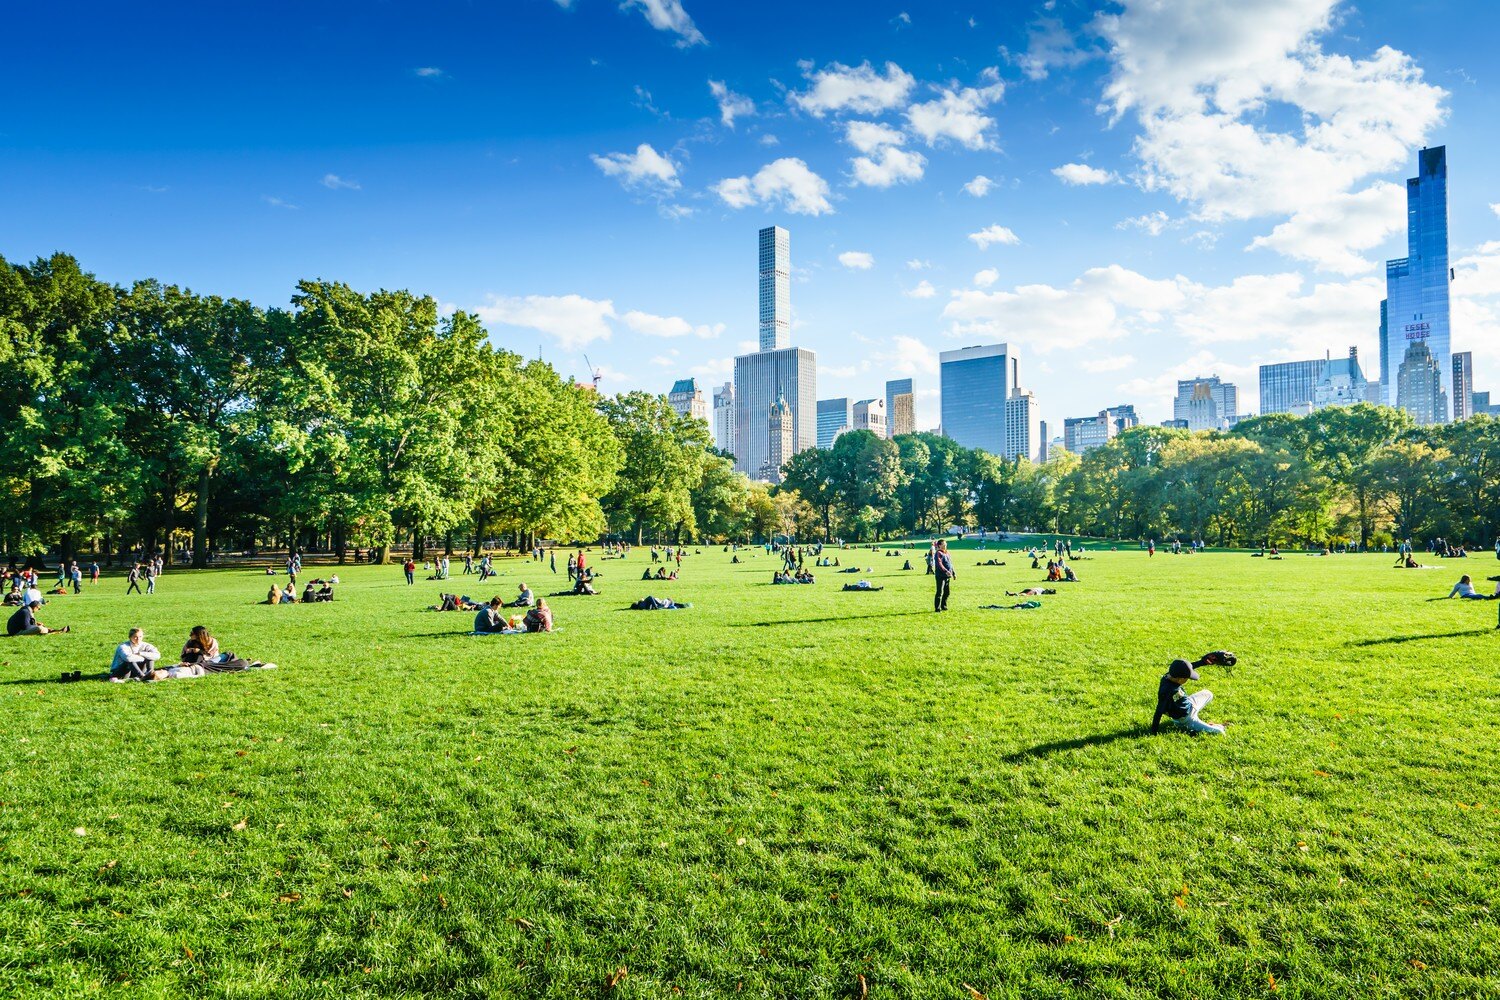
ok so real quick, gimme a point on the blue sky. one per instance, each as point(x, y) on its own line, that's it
point(1127, 193)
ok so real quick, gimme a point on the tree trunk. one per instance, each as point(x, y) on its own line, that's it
point(340, 541)
point(639, 528)
point(200, 521)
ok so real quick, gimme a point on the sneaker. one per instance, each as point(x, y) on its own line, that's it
point(117, 680)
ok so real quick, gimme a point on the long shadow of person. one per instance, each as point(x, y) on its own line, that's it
point(1077, 743)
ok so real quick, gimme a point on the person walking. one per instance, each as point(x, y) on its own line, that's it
point(151, 571)
point(76, 572)
point(942, 569)
point(94, 573)
point(410, 569)
point(552, 558)
point(133, 580)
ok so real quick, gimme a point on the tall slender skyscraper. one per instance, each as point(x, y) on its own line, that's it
point(1417, 285)
point(1463, 385)
point(724, 417)
point(775, 289)
point(900, 413)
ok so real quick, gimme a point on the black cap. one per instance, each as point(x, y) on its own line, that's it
point(1183, 670)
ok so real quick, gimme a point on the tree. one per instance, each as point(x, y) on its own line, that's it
point(662, 465)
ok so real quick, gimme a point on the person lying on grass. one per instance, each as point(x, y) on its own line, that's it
point(24, 622)
point(1178, 706)
point(1031, 592)
point(658, 604)
point(862, 585)
point(135, 658)
point(1464, 588)
point(990, 562)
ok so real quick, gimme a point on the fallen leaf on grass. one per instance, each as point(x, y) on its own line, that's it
point(618, 977)
point(864, 987)
point(442, 901)
point(740, 842)
point(241, 753)
point(1110, 925)
point(1420, 966)
point(348, 893)
point(79, 831)
point(974, 994)
point(1271, 982)
point(188, 952)
point(522, 922)
point(1322, 774)
point(1181, 898)
point(289, 897)
point(242, 824)
point(110, 864)
point(571, 751)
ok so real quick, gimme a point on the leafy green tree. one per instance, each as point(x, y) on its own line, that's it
point(662, 466)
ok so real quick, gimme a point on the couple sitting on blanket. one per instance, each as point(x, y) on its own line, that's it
point(137, 660)
point(491, 618)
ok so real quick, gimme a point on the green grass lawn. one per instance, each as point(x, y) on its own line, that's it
point(784, 791)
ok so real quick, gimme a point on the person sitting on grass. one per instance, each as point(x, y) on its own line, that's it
point(289, 594)
point(1410, 563)
point(273, 596)
point(24, 622)
point(1180, 707)
point(524, 597)
point(309, 593)
point(491, 617)
point(906, 565)
point(134, 658)
point(200, 646)
point(1464, 588)
point(862, 585)
point(539, 618)
point(1068, 575)
point(1031, 592)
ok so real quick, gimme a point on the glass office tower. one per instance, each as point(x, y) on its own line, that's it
point(775, 289)
point(1288, 387)
point(976, 382)
point(900, 415)
point(1417, 284)
point(834, 417)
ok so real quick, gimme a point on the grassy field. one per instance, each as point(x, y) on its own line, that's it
point(782, 792)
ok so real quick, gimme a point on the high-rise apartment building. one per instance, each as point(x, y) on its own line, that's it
point(835, 416)
point(1124, 417)
point(1480, 403)
point(1206, 403)
point(976, 382)
point(900, 407)
point(869, 415)
point(1417, 287)
point(687, 399)
point(1419, 385)
point(724, 417)
point(781, 439)
point(1288, 387)
point(1083, 434)
point(775, 289)
point(778, 371)
point(1463, 385)
point(1044, 449)
point(1023, 427)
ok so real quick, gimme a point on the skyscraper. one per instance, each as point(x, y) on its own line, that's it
point(869, 415)
point(1419, 384)
point(1341, 383)
point(1084, 434)
point(900, 407)
point(1417, 285)
point(1463, 385)
point(687, 399)
point(724, 417)
point(775, 289)
point(976, 382)
point(778, 371)
point(1190, 403)
point(781, 438)
point(1023, 427)
point(1288, 387)
point(834, 417)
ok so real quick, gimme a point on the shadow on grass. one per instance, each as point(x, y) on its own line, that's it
point(1077, 743)
point(1419, 638)
point(831, 618)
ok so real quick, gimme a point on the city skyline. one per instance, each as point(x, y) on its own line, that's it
point(1126, 196)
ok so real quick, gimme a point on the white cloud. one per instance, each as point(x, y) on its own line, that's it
point(1495, 207)
point(644, 168)
point(275, 202)
point(731, 105)
point(856, 260)
point(1115, 363)
point(990, 235)
point(924, 290)
point(957, 115)
point(1330, 235)
point(428, 72)
point(1208, 81)
point(1476, 304)
point(861, 89)
point(867, 137)
point(676, 213)
point(1050, 45)
point(1155, 223)
point(668, 15)
point(769, 140)
point(334, 182)
point(571, 320)
point(890, 165)
point(907, 356)
point(1079, 174)
point(716, 368)
point(986, 278)
point(916, 264)
point(786, 182)
point(668, 326)
point(979, 186)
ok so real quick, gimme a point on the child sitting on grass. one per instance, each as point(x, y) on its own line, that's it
point(1179, 706)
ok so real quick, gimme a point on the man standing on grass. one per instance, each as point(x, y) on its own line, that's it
point(410, 569)
point(942, 569)
point(133, 579)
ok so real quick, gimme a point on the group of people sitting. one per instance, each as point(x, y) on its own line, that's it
point(491, 619)
point(660, 574)
point(137, 660)
point(316, 591)
point(583, 585)
point(801, 576)
point(1059, 572)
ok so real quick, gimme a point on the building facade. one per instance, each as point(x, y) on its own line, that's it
point(1023, 427)
point(775, 289)
point(835, 416)
point(1206, 403)
point(976, 382)
point(1463, 385)
point(724, 417)
point(1342, 383)
point(1416, 287)
point(1286, 387)
point(869, 415)
point(1124, 417)
point(1083, 434)
point(781, 440)
point(900, 407)
point(687, 399)
point(1419, 385)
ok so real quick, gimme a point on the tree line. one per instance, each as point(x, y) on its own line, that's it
point(154, 418)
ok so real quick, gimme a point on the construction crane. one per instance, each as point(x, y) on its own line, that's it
point(596, 373)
